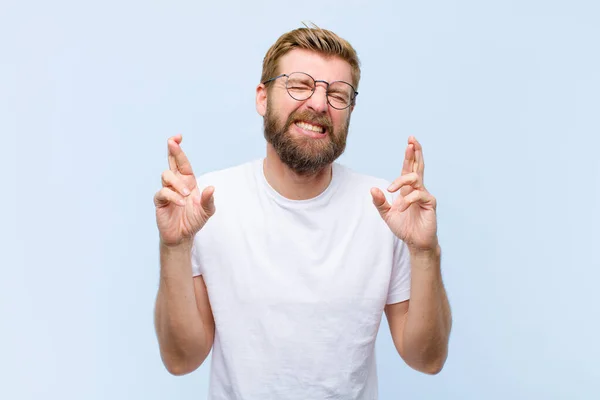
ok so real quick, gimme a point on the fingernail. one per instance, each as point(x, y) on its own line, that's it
point(186, 191)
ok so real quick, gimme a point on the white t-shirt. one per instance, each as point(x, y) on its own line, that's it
point(297, 287)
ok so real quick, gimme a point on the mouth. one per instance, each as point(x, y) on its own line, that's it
point(311, 129)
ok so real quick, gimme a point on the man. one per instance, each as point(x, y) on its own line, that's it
point(284, 266)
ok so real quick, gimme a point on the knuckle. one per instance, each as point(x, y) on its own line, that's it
point(166, 193)
point(159, 197)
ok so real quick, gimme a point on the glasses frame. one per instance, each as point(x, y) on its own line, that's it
point(354, 92)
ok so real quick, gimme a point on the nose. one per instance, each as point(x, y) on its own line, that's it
point(318, 100)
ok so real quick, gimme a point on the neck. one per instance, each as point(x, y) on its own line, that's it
point(291, 185)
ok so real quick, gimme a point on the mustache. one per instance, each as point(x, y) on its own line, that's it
point(310, 117)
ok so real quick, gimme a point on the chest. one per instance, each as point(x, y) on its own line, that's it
point(298, 257)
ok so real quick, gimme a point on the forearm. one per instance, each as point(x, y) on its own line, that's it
point(428, 321)
point(181, 333)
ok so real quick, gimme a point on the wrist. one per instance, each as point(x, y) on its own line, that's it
point(426, 252)
point(184, 245)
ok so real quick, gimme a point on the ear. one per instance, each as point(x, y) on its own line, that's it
point(261, 99)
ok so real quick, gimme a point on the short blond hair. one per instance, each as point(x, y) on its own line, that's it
point(315, 39)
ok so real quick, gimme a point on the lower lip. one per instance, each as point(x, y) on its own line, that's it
point(310, 133)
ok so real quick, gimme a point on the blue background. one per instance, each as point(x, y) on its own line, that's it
point(503, 95)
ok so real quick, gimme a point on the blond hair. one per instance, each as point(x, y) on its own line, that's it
point(315, 39)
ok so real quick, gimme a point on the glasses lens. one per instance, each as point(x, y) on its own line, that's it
point(300, 85)
point(340, 94)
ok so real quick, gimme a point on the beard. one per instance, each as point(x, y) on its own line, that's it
point(305, 155)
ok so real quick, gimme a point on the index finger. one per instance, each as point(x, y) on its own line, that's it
point(409, 159)
point(419, 165)
point(171, 157)
point(176, 154)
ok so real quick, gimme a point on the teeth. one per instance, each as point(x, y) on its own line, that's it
point(310, 127)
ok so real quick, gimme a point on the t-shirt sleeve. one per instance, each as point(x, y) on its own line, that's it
point(196, 261)
point(399, 289)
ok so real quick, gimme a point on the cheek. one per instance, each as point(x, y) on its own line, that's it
point(340, 120)
point(278, 108)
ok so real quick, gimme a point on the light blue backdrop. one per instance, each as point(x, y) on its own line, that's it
point(504, 96)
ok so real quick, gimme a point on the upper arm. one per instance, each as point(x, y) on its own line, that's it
point(396, 316)
point(205, 310)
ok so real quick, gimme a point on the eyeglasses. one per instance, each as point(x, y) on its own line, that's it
point(301, 86)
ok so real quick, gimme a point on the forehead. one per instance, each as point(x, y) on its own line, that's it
point(320, 67)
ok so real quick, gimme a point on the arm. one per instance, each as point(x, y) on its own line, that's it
point(420, 327)
point(183, 318)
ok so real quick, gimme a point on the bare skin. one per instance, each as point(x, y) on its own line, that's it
point(284, 180)
point(420, 327)
point(183, 318)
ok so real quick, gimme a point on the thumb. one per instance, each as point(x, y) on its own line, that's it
point(207, 201)
point(380, 202)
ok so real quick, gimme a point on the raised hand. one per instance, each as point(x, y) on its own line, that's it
point(181, 210)
point(412, 216)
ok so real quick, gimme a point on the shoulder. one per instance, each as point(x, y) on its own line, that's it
point(352, 180)
point(230, 176)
